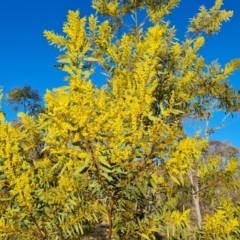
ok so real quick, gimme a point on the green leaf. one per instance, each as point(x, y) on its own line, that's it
point(64, 59)
point(5, 199)
point(139, 222)
point(67, 78)
point(181, 179)
point(88, 73)
point(176, 111)
point(105, 175)
point(174, 179)
point(76, 228)
point(63, 169)
point(153, 183)
point(144, 236)
point(95, 217)
point(72, 202)
point(17, 209)
point(104, 161)
point(142, 190)
point(106, 169)
point(168, 233)
point(2, 168)
point(120, 171)
point(55, 166)
point(107, 75)
point(91, 59)
point(173, 230)
point(81, 169)
point(80, 227)
point(152, 118)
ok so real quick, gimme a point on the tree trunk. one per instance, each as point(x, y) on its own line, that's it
point(196, 200)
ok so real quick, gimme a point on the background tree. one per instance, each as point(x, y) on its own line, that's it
point(26, 98)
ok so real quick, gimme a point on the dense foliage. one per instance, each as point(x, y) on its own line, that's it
point(119, 154)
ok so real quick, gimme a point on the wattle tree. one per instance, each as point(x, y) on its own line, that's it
point(119, 154)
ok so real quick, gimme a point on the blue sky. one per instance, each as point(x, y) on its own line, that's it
point(27, 58)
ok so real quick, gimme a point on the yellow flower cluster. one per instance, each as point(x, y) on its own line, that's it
point(224, 222)
point(232, 165)
point(177, 218)
point(210, 21)
point(22, 189)
point(188, 151)
point(112, 8)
